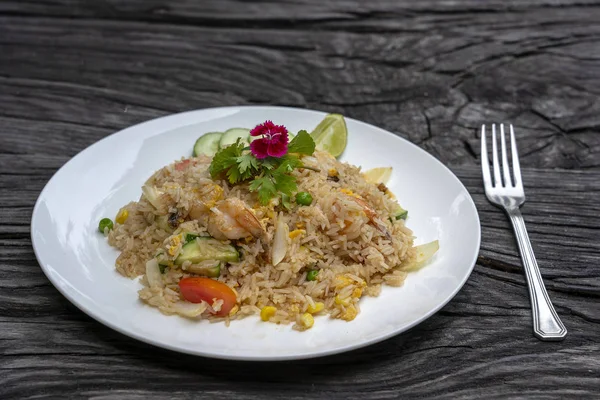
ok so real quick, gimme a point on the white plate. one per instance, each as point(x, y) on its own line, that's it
point(110, 173)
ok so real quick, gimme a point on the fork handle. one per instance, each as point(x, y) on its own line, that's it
point(546, 324)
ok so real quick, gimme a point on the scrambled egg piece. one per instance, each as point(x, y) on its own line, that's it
point(175, 242)
point(295, 233)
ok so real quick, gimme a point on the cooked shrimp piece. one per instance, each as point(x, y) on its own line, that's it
point(208, 194)
point(372, 215)
point(233, 219)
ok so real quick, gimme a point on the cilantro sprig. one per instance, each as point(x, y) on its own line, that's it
point(269, 177)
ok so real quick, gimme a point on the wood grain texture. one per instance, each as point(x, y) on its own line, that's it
point(72, 72)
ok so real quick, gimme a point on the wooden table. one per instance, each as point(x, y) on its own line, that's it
point(72, 72)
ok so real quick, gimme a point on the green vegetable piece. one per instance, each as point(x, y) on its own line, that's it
point(191, 236)
point(162, 268)
point(304, 198)
point(231, 136)
point(312, 274)
point(208, 248)
point(401, 213)
point(214, 272)
point(402, 216)
point(207, 144)
point(105, 223)
point(210, 271)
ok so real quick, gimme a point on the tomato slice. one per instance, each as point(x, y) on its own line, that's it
point(196, 290)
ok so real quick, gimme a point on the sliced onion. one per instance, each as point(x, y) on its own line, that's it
point(280, 241)
point(187, 309)
point(424, 253)
point(153, 274)
point(156, 197)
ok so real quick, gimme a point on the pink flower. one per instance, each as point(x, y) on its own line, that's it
point(274, 140)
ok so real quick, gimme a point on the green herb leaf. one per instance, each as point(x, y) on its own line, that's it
point(285, 201)
point(269, 163)
point(234, 175)
point(288, 163)
point(247, 161)
point(265, 188)
point(269, 177)
point(284, 183)
point(302, 144)
point(225, 159)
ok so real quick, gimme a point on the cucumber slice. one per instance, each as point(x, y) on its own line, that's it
point(206, 248)
point(211, 269)
point(207, 144)
point(231, 135)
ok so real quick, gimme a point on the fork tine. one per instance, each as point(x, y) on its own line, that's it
point(515, 158)
point(505, 168)
point(497, 179)
point(485, 162)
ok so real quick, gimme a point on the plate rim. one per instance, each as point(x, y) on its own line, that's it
point(226, 356)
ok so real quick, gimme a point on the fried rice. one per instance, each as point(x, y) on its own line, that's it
point(349, 234)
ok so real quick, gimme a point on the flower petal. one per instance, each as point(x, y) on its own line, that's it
point(259, 148)
point(263, 128)
point(277, 148)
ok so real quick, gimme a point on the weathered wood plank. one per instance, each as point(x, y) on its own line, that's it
point(72, 72)
point(437, 91)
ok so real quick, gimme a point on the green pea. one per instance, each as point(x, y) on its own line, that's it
point(304, 198)
point(105, 223)
point(312, 274)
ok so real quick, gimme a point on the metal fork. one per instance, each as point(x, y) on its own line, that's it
point(509, 196)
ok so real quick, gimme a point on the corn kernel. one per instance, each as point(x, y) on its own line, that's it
point(356, 293)
point(267, 312)
point(307, 321)
point(234, 310)
point(122, 216)
point(347, 191)
point(343, 302)
point(350, 314)
point(332, 172)
point(300, 225)
point(295, 233)
point(318, 307)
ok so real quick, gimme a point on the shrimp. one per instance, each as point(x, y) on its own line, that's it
point(233, 219)
point(208, 194)
point(372, 215)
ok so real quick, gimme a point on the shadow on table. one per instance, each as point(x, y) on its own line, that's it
point(314, 370)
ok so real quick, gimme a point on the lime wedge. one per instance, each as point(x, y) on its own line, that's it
point(331, 134)
point(378, 175)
